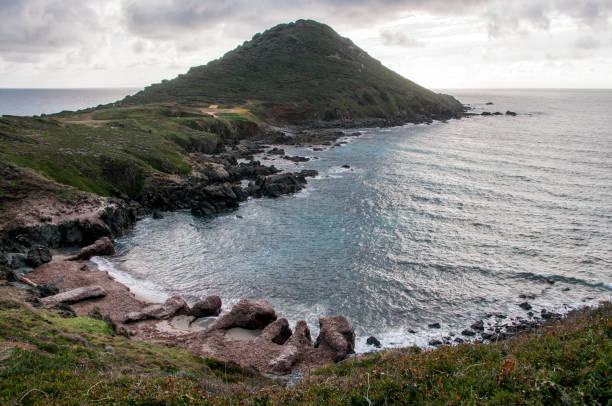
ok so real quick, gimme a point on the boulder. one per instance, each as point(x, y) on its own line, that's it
point(74, 295)
point(211, 306)
point(172, 307)
point(46, 290)
point(435, 343)
point(434, 325)
point(510, 113)
point(103, 246)
point(157, 215)
point(277, 332)
point(468, 333)
point(479, 325)
point(248, 314)
point(373, 341)
point(336, 335)
point(293, 350)
point(525, 306)
point(38, 255)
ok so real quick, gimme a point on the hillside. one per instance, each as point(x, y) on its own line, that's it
point(299, 73)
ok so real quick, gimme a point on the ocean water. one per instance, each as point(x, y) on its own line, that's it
point(30, 102)
point(446, 223)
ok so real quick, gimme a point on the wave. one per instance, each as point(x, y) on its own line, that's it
point(566, 279)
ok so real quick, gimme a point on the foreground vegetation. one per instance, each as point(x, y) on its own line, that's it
point(46, 359)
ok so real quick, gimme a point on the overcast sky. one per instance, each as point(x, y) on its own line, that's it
point(436, 43)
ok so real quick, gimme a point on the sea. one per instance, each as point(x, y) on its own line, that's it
point(447, 223)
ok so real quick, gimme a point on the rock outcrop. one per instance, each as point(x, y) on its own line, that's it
point(171, 307)
point(38, 255)
point(211, 306)
point(101, 247)
point(277, 332)
point(248, 314)
point(74, 295)
point(337, 336)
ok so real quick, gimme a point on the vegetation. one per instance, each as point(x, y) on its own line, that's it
point(41, 362)
point(300, 72)
point(115, 149)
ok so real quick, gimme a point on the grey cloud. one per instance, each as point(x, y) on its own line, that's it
point(43, 26)
point(587, 43)
point(398, 38)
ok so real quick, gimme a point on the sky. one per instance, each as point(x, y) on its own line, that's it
point(436, 43)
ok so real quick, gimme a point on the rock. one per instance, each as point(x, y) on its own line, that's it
point(76, 338)
point(248, 314)
point(479, 325)
point(487, 336)
point(373, 341)
point(336, 335)
point(525, 306)
point(293, 349)
point(74, 295)
point(458, 340)
point(346, 166)
point(276, 151)
point(211, 306)
point(435, 342)
point(468, 333)
point(526, 296)
point(38, 255)
point(497, 113)
point(301, 336)
point(46, 290)
point(510, 113)
point(17, 261)
point(489, 103)
point(172, 307)
point(103, 246)
point(486, 113)
point(296, 158)
point(157, 215)
point(109, 349)
point(434, 325)
point(64, 310)
point(277, 332)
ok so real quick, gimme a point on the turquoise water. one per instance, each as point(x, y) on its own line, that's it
point(432, 223)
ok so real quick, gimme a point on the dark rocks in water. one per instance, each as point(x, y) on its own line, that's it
point(486, 113)
point(489, 103)
point(459, 340)
point(48, 289)
point(510, 113)
point(565, 289)
point(545, 314)
point(211, 306)
point(296, 158)
point(318, 149)
point(497, 113)
point(525, 306)
point(251, 170)
point(479, 325)
point(373, 341)
point(550, 281)
point(101, 247)
point(157, 215)
point(337, 336)
point(487, 336)
point(38, 255)
point(411, 331)
point(434, 325)
point(526, 296)
point(172, 307)
point(435, 343)
point(276, 151)
point(468, 333)
point(248, 314)
point(280, 184)
point(346, 166)
point(277, 332)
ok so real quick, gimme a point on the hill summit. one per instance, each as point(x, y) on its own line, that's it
point(299, 73)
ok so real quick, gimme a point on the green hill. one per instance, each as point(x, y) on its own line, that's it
point(299, 73)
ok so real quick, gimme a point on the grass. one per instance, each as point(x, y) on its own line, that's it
point(300, 72)
point(113, 149)
point(569, 363)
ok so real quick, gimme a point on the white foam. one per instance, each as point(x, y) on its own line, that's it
point(143, 289)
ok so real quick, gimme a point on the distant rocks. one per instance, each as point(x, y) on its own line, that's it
point(296, 158)
point(276, 151)
point(479, 325)
point(211, 306)
point(157, 215)
point(468, 333)
point(510, 113)
point(525, 306)
point(434, 325)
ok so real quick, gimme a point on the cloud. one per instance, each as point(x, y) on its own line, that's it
point(399, 38)
point(587, 43)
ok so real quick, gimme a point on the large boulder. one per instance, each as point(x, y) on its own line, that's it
point(337, 336)
point(38, 255)
point(293, 350)
point(172, 307)
point(211, 306)
point(248, 314)
point(277, 332)
point(74, 295)
point(101, 247)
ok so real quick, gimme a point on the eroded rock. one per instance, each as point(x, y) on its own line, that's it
point(336, 335)
point(277, 332)
point(101, 247)
point(38, 255)
point(248, 314)
point(211, 306)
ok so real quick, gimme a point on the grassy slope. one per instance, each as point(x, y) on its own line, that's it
point(299, 72)
point(566, 364)
point(115, 149)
